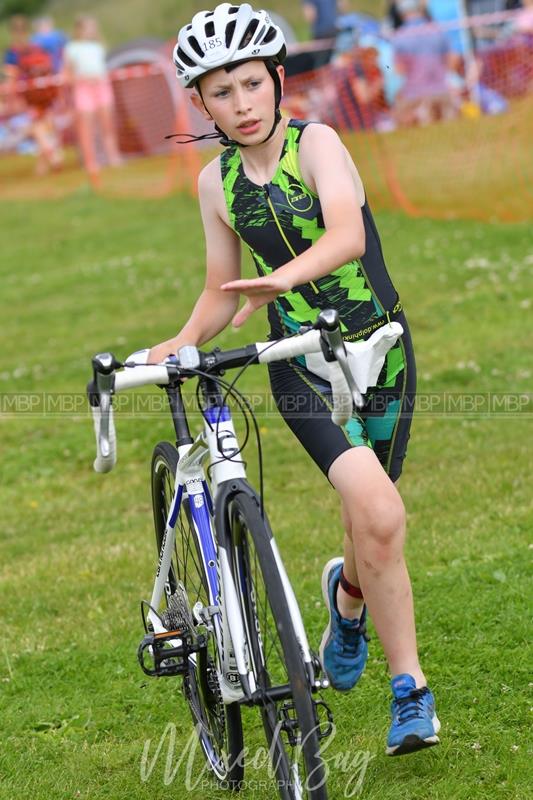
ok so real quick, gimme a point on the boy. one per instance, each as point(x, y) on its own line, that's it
point(289, 190)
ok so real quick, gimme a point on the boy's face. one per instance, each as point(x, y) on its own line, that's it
point(241, 102)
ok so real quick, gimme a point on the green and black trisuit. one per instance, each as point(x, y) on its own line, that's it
point(278, 221)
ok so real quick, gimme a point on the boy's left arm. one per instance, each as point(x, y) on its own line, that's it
point(344, 237)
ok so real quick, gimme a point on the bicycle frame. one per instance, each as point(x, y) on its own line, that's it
point(218, 441)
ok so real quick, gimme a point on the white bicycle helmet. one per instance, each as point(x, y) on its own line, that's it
point(228, 35)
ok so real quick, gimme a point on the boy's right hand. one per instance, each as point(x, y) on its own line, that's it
point(159, 352)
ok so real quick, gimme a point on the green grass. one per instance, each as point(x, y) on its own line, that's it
point(84, 274)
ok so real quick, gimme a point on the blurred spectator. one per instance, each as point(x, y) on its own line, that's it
point(422, 57)
point(447, 11)
point(321, 15)
point(524, 20)
point(351, 26)
point(50, 39)
point(393, 16)
point(486, 35)
point(24, 64)
point(86, 71)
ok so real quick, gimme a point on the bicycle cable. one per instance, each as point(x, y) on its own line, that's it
point(245, 408)
point(231, 390)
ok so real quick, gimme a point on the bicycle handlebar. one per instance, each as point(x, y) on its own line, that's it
point(324, 336)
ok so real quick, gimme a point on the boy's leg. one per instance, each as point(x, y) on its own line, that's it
point(377, 516)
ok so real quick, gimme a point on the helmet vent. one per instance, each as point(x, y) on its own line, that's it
point(230, 29)
point(271, 34)
point(259, 36)
point(186, 60)
point(248, 34)
point(210, 29)
point(233, 10)
point(193, 41)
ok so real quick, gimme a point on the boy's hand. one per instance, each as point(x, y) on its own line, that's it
point(258, 291)
point(159, 352)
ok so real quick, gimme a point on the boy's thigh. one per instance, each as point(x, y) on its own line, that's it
point(387, 418)
point(304, 401)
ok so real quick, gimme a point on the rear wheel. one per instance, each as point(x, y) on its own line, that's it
point(218, 726)
point(291, 725)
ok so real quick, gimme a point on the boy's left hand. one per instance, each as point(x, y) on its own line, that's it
point(258, 291)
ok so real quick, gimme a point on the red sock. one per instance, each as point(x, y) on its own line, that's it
point(349, 588)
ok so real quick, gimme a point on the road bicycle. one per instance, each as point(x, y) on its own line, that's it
point(223, 614)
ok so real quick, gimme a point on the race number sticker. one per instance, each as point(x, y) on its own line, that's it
point(212, 43)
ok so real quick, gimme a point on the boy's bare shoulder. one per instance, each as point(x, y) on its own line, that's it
point(210, 177)
point(319, 139)
point(319, 133)
point(211, 191)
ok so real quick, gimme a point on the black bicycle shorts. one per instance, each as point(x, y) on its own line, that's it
point(304, 401)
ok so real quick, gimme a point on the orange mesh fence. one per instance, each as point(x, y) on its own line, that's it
point(450, 144)
point(148, 106)
point(433, 132)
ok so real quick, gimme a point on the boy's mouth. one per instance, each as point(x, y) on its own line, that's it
point(249, 126)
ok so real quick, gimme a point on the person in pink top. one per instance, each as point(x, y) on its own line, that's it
point(86, 71)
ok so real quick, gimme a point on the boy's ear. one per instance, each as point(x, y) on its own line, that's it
point(197, 102)
point(280, 69)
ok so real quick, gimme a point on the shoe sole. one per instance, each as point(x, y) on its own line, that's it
point(333, 562)
point(412, 742)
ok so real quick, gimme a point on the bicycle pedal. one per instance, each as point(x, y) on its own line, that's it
point(289, 722)
point(324, 727)
point(159, 656)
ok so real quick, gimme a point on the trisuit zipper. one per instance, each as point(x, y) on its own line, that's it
point(282, 233)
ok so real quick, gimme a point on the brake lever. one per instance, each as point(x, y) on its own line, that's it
point(329, 326)
point(104, 366)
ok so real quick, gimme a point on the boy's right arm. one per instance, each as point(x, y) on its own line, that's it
point(214, 308)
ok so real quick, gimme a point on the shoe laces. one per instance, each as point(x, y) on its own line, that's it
point(348, 634)
point(411, 706)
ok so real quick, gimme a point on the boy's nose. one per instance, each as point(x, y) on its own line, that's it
point(241, 102)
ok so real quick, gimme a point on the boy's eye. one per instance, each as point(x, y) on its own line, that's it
point(254, 84)
point(222, 93)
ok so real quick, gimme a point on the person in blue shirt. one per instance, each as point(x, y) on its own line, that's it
point(321, 16)
point(447, 11)
point(51, 40)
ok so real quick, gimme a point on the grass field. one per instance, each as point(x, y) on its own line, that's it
point(84, 274)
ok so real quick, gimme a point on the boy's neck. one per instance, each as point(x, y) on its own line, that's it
point(260, 161)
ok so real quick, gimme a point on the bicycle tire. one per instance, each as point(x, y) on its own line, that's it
point(267, 617)
point(218, 726)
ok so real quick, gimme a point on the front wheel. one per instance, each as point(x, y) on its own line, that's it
point(218, 726)
point(291, 725)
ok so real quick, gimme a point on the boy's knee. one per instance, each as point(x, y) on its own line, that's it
point(382, 525)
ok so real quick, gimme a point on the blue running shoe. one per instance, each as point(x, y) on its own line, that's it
point(414, 722)
point(344, 648)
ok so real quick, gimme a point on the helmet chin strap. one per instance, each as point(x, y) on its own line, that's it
point(225, 140)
